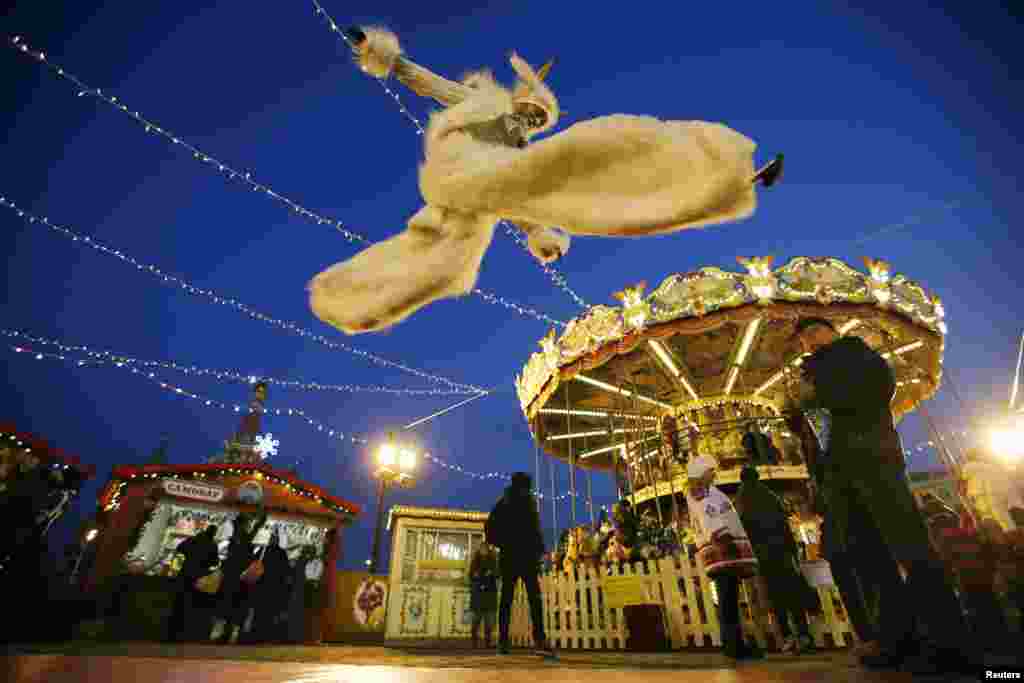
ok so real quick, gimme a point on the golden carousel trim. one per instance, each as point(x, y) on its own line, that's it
point(708, 298)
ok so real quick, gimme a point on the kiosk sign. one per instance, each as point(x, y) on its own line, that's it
point(194, 490)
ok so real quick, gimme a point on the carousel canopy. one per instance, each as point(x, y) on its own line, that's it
point(709, 340)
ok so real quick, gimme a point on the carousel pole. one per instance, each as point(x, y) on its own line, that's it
point(572, 459)
point(536, 481)
point(615, 456)
point(650, 469)
point(590, 499)
point(625, 438)
point(554, 505)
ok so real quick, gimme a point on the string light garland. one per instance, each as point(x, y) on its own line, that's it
point(113, 500)
point(246, 177)
point(511, 230)
point(226, 375)
point(227, 301)
point(237, 408)
point(174, 389)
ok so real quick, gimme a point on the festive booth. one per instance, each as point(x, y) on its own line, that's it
point(147, 511)
point(431, 550)
point(703, 365)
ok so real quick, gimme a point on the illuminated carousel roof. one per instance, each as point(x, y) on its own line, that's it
point(710, 336)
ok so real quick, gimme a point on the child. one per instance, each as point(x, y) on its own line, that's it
point(483, 601)
point(724, 551)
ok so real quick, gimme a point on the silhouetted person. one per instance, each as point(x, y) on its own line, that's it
point(234, 603)
point(297, 596)
point(200, 552)
point(864, 476)
point(272, 592)
point(767, 525)
point(483, 598)
point(514, 527)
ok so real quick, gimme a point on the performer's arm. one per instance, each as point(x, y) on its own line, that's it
point(379, 54)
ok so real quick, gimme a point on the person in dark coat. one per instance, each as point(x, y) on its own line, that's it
point(863, 479)
point(860, 594)
point(483, 597)
point(297, 596)
point(272, 592)
point(234, 604)
point(764, 517)
point(514, 527)
point(200, 552)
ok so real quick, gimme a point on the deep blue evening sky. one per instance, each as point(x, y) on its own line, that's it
point(886, 116)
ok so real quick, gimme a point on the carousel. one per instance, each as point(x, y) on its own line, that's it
point(704, 364)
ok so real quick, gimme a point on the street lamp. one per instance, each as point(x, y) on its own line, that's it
point(396, 466)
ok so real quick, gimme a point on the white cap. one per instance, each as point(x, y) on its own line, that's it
point(700, 466)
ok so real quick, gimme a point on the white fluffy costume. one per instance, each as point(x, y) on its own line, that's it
point(616, 175)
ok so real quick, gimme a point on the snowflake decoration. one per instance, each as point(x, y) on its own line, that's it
point(266, 445)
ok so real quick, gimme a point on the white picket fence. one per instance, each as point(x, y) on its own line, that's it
point(576, 616)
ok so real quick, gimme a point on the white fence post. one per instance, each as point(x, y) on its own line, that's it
point(577, 617)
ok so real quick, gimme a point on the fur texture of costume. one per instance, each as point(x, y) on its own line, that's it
point(613, 176)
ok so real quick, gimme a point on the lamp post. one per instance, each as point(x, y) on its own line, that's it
point(395, 466)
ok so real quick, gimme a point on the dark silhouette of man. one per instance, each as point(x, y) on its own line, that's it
point(234, 604)
point(272, 592)
point(864, 484)
point(201, 556)
point(764, 517)
point(514, 527)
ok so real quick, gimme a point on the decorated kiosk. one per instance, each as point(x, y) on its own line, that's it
point(429, 582)
point(699, 366)
point(147, 511)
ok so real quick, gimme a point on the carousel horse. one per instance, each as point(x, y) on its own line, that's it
point(612, 176)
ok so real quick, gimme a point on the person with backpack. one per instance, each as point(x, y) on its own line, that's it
point(514, 527)
point(863, 478)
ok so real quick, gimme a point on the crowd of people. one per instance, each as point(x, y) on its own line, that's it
point(253, 595)
point(33, 494)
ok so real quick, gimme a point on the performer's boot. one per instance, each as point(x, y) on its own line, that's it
point(219, 628)
point(770, 173)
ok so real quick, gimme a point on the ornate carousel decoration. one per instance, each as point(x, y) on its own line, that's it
point(705, 362)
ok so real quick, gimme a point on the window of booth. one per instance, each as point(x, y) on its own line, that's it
point(173, 522)
point(422, 543)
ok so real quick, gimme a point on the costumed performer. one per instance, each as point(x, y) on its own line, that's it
point(613, 176)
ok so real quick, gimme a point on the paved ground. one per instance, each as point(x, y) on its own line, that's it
point(95, 663)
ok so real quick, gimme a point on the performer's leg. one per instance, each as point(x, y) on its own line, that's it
point(437, 256)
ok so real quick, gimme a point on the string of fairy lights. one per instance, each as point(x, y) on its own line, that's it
point(511, 230)
point(313, 423)
point(224, 375)
point(228, 301)
point(245, 177)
